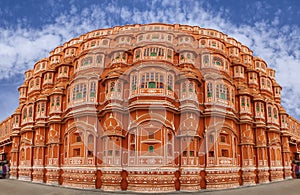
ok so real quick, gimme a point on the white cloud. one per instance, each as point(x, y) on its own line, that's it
point(21, 47)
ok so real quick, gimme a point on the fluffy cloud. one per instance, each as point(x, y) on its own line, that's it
point(279, 46)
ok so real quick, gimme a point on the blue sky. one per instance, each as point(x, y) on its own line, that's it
point(30, 29)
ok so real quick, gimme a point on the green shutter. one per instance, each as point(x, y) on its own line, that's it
point(151, 85)
point(153, 54)
point(150, 148)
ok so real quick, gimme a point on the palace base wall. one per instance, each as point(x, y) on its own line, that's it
point(25, 173)
point(53, 175)
point(221, 178)
point(151, 181)
point(138, 180)
point(276, 174)
point(38, 174)
point(81, 177)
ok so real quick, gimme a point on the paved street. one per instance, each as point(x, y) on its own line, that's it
point(15, 187)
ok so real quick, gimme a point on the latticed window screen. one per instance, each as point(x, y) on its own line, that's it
point(222, 92)
point(79, 91)
point(170, 82)
point(93, 89)
point(151, 80)
point(133, 82)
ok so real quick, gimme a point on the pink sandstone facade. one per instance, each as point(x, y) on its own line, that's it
point(150, 108)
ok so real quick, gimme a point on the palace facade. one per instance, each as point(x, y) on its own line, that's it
point(150, 108)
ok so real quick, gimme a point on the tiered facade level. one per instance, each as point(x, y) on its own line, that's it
point(150, 108)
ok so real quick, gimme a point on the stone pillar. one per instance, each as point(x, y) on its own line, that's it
point(53, 161)
point(262, 171)
point(248, 158)
point(14, 157)
point(38, 169)
point(275, 155)
point(286, 162)
point(26, 156)
point(248, 165)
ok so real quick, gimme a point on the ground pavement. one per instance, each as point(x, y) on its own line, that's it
point(16, 187)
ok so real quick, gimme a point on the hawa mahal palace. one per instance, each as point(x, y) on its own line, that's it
point(150, 108)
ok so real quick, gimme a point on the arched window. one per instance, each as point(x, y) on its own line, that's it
point(170, 82)
point(152, 80)
point(269, 111)
point(24, 113)
point(22, 154)
point(209, 90)
point(133, 82)
point(74, 93)
point(119, 87)
point(188, 56)
point(79, 91)
point(191, 87)
point(263, 82)
point(243, 101)
point(84, 90)
point(170, 53)
point(99, 59)
point(183, 87)
point(182, 57)
point(227, 95)
point(90, 139)
point(257, 107)
point(86, 61)
point(154, 51)
point(43, 107)
point(30, 112)
point(37, 82)
point(77, 137)
point(138, 52)
point(112, 86)
point(222, 92)
point(46, 77)
point(52, 101)
point(57, 101)
point(275, 113)
point(206, 60)
point(218, 61)
point(105, 42)
point(31, 84)
point(93, 89)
